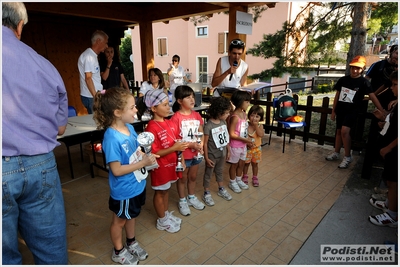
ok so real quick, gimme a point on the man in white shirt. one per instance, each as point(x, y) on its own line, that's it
point(231, 70)
point(176, 75)
point(89, 69)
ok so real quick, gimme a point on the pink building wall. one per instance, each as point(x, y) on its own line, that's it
point(182, 40)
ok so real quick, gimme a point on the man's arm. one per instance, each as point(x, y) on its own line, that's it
point(89, 83)
point(170, 69)
point(218, 77)
point(243, 80)
point(61, 129)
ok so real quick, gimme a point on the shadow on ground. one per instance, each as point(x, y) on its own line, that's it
point(347, 221)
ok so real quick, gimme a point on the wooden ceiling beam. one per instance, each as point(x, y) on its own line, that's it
point(121, 12)
point(183, 10)
point(128, 14)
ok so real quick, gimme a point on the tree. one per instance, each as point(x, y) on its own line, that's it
point(312, 36)
point(125, 51)
point(358, 32)
point(256, 11)
point(383, 18)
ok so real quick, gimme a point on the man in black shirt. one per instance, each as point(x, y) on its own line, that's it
point(379, 74)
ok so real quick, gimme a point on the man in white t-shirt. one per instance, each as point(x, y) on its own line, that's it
point(231, 70)
point(89, 69)
point(176, 75)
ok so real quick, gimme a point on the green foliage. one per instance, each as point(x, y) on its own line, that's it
point(312, 37)
point(125, 51)
point(386, 13)
point(325, 88)
point(256, 11)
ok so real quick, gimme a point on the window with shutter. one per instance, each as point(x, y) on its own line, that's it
point(223, 45)
point(162, 46)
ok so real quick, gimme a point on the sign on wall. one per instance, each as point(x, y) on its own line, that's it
point(244, 22)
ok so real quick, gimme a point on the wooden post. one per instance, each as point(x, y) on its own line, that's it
point(233, 7)
point(146, 47)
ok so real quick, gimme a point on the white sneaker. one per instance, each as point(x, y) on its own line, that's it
point(235, 187)
point(173, 217)
point(169, 225)
point(242, 185)
point(136, 250)
point(345, 162)
point(124, 257)
point(184, 208)
point(224, 194)
point(207, 198)
point(196, 203)
point(333, 156)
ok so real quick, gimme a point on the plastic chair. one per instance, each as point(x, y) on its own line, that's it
point(286, 125)
point(72, 112)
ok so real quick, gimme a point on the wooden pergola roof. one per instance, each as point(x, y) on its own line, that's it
point(125, 14)
point(118, 16)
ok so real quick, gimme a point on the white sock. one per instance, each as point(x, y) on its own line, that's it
point(238, 178)
point(182, 199)
point(163, 219)
point(191, 196)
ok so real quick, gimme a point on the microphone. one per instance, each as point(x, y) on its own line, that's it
point(235, 63)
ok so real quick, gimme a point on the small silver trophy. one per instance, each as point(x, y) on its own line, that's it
point(179, 167)
point(146, 139)
point(198, 136)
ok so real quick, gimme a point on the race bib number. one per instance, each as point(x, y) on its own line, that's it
point(243, 129)
point(188, 130)
point(347, 95)
point(220, 136)
point(142, 173)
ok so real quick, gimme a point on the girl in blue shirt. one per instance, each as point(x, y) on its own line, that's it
point(114, 111)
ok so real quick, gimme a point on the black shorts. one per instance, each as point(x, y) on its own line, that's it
point(348, 120)
point(128, 208)
point(390, 168)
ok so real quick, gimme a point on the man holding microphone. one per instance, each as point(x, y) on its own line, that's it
point(231, 70)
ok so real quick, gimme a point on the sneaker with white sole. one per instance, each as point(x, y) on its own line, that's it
point(173, 217)
point(195, 202)
point(183, 208)
point(235, 187)
point(169, 225)
point(242, 185)
point(207, 198)
point(136, 250)
point(383, 219)
point(345, 162)
point(378, 204)
point(224, 194)
point(332, 156)
point(381, 197)
point(124, 257)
